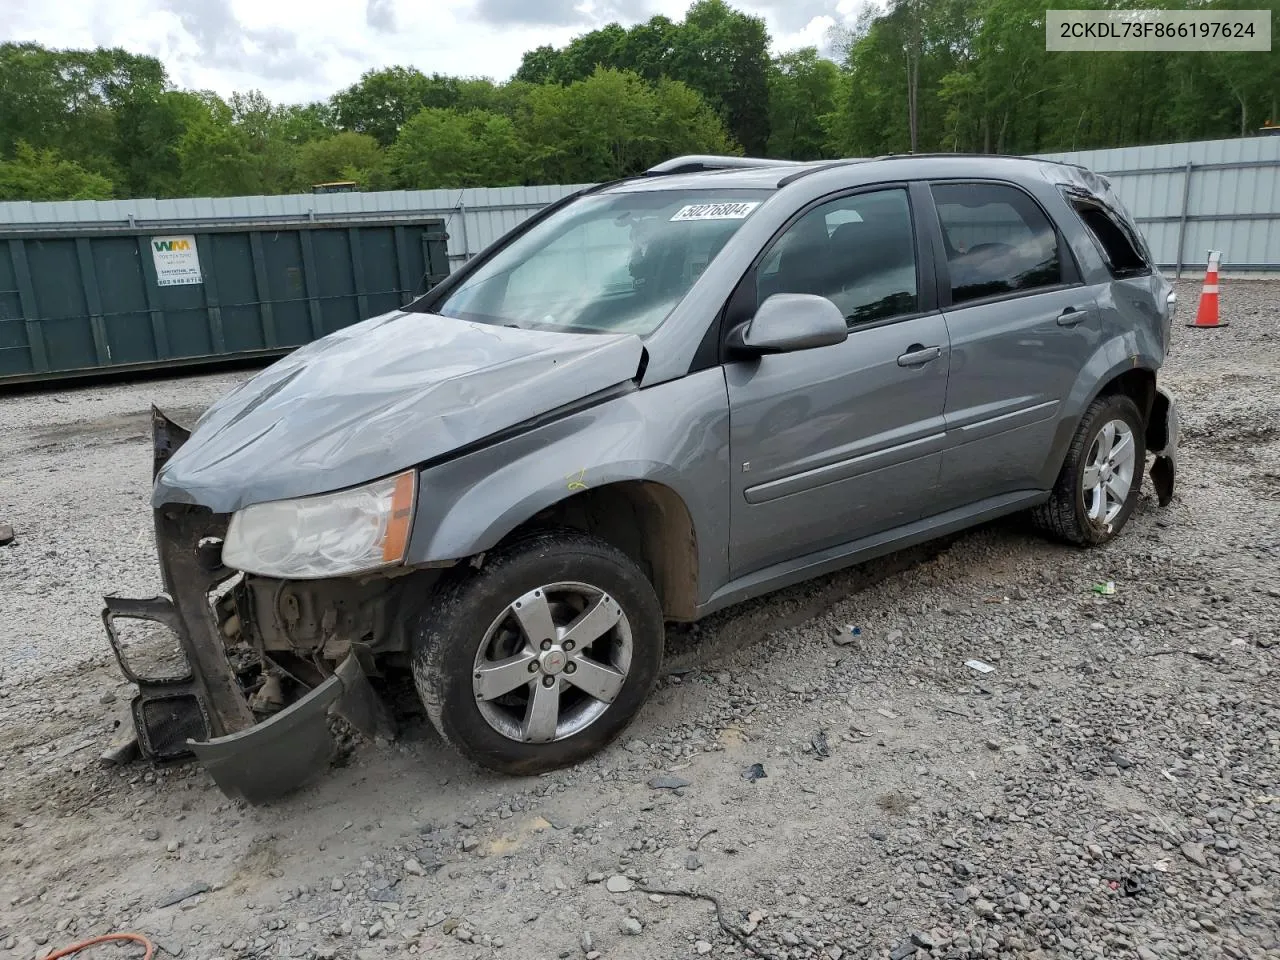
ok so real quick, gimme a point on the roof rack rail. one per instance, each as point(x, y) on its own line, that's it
point(972, 156)
point(697, 163)
point(815, 166)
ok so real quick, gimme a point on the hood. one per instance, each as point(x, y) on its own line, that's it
point(378, 397)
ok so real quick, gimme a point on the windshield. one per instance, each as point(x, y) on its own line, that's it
point(615, 263)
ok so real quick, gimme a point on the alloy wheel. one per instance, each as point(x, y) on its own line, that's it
point(552, 662)
point(1109, 472)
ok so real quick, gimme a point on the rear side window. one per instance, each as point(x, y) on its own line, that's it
point(1119, 248)
point(998, 241)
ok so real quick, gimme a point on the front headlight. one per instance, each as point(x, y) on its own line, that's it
point(329, 535)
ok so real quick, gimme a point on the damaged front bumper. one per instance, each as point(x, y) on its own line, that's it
point(199, 706)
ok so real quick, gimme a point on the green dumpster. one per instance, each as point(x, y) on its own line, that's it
point(79, 299)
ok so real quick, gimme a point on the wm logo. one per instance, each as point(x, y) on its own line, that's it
point(164, 246)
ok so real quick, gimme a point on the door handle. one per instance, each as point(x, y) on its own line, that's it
point(1071, 316)
point(918, 355)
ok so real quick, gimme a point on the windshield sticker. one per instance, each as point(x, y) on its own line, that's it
point(716, 211)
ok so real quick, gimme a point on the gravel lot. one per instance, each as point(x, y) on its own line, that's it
point(1112, 789)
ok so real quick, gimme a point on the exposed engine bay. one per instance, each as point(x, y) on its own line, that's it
point(284, 638)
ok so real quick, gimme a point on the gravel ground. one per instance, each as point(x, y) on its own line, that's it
point(1111, 789)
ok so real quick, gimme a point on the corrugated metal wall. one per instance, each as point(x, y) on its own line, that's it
point(1190, 197)
point(474, 218)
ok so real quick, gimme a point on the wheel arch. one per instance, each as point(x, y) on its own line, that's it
point(1114, 369)
point(645, 519)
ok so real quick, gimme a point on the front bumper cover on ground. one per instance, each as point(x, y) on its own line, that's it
point(200, 708)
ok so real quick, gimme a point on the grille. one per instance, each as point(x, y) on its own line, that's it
point(165, 724)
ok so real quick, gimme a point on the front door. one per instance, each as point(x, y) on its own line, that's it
point(836, 443)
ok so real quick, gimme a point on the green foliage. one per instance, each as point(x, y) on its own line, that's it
point(719, 52)
point(43, 175)
point(929, 75)
point(613, 124)
point(803, 91)
point(724, 55)
point(447, 148)
point(382, 102)
point(986, 84)
point(343, 156)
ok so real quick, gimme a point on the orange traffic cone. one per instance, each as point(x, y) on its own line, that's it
point(1207, 314)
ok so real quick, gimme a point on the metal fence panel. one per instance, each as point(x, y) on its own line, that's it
point(1189, 198)
point(474, 217)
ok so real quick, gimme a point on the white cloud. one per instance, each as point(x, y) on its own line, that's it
point(300, 50)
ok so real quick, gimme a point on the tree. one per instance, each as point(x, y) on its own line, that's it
point(343, 156)
point(43, 175)
point(613, 124)
point(724, 55)
point(649, 48)
point(447, 148)
point(539, 65)
point(266, 129)
point(718, 51)
point(803, 88)
point(599, 48)
point(87, 105)
point(685, 123)
point(215, 155)
point(383, 100)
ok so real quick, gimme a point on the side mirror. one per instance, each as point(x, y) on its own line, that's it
point(790, 321)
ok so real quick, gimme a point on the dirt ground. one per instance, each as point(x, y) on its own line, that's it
point(1111, 789)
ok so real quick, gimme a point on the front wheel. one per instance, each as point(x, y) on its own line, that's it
point(543, 656)
point(1101, 477)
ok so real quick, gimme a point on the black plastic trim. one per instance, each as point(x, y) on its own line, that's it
point(541, 420)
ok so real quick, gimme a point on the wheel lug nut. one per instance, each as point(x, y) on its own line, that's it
point(533, 666)
point(548, 681)
point(570, 667)
point(546, 644)
point(569, 644)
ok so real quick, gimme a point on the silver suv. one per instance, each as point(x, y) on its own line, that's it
point(655, 398)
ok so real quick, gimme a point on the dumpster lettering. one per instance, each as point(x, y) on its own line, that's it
point(176, 259)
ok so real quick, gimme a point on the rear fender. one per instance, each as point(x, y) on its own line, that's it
point(1113, 358)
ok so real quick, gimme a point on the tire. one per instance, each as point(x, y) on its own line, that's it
point(471, 628)
point(1071, 513)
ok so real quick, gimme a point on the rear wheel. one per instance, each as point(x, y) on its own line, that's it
point(1101, 478)
point(543, 656)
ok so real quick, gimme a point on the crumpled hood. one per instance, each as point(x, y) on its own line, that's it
point(377, 397)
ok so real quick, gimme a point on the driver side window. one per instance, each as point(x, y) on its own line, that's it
point(858, 252)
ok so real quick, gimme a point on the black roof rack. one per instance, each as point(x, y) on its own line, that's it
point(815, 166)
point(976, 156)
point(697, 163)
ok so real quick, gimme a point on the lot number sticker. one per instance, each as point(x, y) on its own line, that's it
point(716, 211)
point(176, 260)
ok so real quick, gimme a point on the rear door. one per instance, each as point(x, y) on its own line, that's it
point(841, 442)
point(1022, 325)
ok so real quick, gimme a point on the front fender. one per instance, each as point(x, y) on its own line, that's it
point(675, 434)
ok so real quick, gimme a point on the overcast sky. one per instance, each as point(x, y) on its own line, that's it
point(300, 50)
